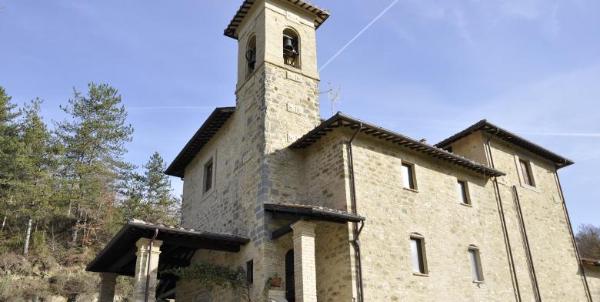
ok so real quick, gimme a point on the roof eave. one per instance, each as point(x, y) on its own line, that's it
point(321, 15)
point(313, 212)
point(177, 167)
point(141, 229)
point(325, 127)
point(486, 126)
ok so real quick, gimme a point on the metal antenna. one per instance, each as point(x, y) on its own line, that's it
point(333, 93)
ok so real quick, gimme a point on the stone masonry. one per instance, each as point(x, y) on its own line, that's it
point(276, 105)
point(593, 274)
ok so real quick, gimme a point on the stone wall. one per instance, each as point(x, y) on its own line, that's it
point(334, 263)
point(435, 212)
point(325, 173)
point(234, 204)
point(543, 220)
point(593, 278)
point(275, 104)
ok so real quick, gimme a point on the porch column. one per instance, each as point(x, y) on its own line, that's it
point(141, 270)
point(305, 274)
point(107, 287)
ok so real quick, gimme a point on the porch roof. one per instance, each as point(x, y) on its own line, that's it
point(177, 249)
point(312, 212)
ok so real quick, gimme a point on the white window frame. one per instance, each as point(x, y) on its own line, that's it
point(413, 177)
point(419, 260)
point(475, 264)
point(463, 198)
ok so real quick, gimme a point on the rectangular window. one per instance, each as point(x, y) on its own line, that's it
point(417, 251)
point(250, 271)
point(463, 192)
point(475, 264)
point(408, 176)
point(208, 175)
point(526, 172)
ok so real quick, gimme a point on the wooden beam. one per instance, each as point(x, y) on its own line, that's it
point(278, 233)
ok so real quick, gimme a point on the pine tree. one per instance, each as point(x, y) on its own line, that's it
point(133, 191)
point(35, 163)
point(164, 206)
point(9, 146)
point(94, 140)
point(149, 196)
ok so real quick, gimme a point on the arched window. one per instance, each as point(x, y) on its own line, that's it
point(291, 48)
point(251, 55)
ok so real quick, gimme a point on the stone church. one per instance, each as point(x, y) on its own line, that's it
point(340, 209)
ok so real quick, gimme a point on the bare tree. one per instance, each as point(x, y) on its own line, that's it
point(588, 241)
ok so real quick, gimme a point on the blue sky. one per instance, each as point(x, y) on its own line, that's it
point(425, 68)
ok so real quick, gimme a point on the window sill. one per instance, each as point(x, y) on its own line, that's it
point(420, 275)
point(531, 188)
point(410, 190)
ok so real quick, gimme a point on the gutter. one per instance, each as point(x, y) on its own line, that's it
point(356, 229)
point(577, 255)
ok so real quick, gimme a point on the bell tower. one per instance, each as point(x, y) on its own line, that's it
point(277, 66)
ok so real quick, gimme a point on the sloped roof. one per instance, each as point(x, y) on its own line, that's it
point(312, 212)
point(231, 30)
point(510, 137)
point(341, 120)
point(211, 126)
point(118, 256)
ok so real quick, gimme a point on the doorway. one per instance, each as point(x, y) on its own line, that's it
point(290, 286)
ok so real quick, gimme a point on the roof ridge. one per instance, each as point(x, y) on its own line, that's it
point(400, 139)
point(320, 15)
point(510, 137)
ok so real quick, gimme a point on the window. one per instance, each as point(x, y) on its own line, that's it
point(208, 175)
point(475, 264)
point(250, 271)
point(251, 55)
point(417, 252)
point(463, 192)
point(526, 172)
point(408, 176)
point(291, 48)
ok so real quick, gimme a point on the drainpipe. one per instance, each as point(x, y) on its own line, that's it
point(511, 259)
point(538, 295)
point(356, 229)
point(566, 212)
point(147, 293)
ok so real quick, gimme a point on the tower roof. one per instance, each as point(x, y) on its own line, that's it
point(231, 31)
